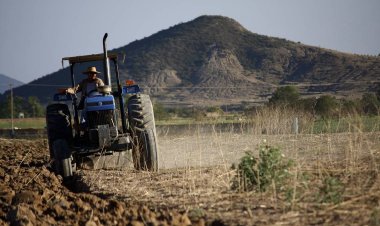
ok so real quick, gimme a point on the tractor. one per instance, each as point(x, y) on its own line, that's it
point(111, 123)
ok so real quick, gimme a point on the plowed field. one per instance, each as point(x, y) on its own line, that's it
point(193, 185)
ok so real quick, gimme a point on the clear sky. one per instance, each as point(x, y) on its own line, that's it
point(35, 35)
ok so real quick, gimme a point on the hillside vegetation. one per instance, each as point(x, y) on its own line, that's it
point(213, 60)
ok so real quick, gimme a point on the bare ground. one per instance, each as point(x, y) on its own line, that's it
point(194, 184)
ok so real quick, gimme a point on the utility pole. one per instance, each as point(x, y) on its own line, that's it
point(13, 132)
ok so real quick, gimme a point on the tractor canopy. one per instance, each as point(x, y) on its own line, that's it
point(89, 58)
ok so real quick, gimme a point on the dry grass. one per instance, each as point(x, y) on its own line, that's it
point(196, 174)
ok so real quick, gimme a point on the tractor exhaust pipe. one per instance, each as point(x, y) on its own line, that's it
point(107, 78)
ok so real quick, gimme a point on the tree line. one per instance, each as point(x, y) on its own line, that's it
point(327, 105)
point(324, 106)
point(30, 107)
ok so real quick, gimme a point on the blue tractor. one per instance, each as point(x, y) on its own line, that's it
point(110, 123)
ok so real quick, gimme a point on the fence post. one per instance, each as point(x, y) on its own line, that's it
point(295, 126)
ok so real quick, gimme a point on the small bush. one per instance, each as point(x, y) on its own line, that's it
point(271, 168)
point(331, 190)
point(196, 213)
point(326, 106)
point(375, 217)
point(370, 104)
point(247, 176)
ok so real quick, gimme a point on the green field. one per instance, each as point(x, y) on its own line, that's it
point(40, 123)
point(347, 124)
point(35, 123)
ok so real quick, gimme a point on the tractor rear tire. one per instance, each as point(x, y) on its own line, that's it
point(143, 129)
point(58, 122)
point(63, 159)
point(148, 150)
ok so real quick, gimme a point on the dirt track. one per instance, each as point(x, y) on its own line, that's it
point(193, 185)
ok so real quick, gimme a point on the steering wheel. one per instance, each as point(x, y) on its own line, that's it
point(92, 93)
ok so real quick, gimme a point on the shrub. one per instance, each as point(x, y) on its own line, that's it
point(326, 106)
point(331, 190)
point(370, 104)
point(307, 104)
point(271, 168)
point(350, 107)
point(287, 95)
point(247, 174)
point(375, 217)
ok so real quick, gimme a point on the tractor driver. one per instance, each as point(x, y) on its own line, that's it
point(86, 86)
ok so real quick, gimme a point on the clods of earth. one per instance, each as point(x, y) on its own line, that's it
point(31, 194)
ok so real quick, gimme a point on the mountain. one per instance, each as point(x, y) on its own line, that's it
point(5, 82)
point(213, 60)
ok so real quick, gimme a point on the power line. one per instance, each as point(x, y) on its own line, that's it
point(268, 85)
point(47, 85)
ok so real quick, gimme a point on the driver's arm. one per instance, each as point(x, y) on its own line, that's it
point(70, 90)
point(76, 89)
point(100, 82)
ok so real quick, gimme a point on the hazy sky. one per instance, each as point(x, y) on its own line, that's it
point(35, 35)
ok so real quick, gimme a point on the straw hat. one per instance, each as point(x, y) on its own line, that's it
point(91, 70)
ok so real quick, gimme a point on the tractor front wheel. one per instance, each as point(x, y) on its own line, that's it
point(63, 159)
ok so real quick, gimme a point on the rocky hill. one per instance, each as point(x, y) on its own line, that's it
point(213, 60)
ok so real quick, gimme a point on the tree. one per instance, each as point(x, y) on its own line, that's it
point(370, 104)
point(287, 95)
point(31, 108)
point(326, 106)
point(3, 109)
point(35, 108)
point(18, 106)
